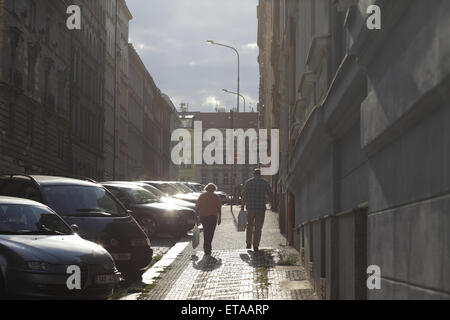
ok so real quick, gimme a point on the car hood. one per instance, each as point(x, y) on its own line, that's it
point(161, 206)
point(54, 249)
point(178, 202)
point(187, 196)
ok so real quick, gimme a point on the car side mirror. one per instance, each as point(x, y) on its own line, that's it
point(75, 228)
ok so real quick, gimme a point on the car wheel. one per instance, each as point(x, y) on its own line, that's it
point(149, 226)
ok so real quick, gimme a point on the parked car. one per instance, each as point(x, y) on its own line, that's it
point(195, 186)
point(158, 193)
point(199, 188)
point(224, 197)
point(154, 216)
point(36, 249)
point(172, 190)
point(96, 215)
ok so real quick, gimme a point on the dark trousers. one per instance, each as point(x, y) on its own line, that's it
point(209, 227)
point(255, 222)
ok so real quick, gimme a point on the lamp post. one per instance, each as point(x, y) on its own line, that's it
point(238, 59)
point(240, 95)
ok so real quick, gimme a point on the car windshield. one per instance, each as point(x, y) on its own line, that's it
point(183, 188)
point(142, 196)
point(197, 187)
point(82, 201)
point(20, 219)
point(158, 193)
point(167, 188)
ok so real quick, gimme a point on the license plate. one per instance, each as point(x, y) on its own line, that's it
point(107, 279)
point(121, 256)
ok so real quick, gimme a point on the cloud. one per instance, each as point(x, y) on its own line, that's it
point(170, 37)
point(212, 101)
point(252, 46)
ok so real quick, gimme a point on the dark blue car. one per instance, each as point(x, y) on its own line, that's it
point(37, 248)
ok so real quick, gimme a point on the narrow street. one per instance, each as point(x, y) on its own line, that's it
point(232, 273)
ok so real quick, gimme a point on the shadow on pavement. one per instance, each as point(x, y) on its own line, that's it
point(236, 224)
point(207, 263)
point(257, 259)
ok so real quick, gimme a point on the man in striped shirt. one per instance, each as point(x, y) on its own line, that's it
point(254, 198)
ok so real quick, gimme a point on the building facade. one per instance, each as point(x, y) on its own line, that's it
point(226, 177)
point(137, 73)
point(72, 102)
point(86, 89)
point(175, 123)
point(365, 178)
point(110, 96)
point(35, 65)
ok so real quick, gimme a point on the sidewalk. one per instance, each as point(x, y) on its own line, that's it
point(232, 273)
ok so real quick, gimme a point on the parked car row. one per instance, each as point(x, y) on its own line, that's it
point(48, 224)
point(88, 215)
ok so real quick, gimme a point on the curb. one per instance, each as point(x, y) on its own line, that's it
point(152, 274)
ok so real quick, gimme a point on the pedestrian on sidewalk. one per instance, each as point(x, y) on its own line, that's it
point(254, 197)
point(209, 210)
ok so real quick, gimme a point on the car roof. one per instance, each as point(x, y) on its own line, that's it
point(122, 185)
point(13, 200)
point(52, 180)
point(155, 182)
point(122, 182)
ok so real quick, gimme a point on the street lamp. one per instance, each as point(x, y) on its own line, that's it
point(239, 78)
point(240, 95)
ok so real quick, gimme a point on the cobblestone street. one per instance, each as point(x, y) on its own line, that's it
point(232, 272)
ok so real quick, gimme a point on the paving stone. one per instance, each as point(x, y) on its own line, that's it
point(232, 272)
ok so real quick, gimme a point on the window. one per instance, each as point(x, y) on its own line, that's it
point(216, 179)
point(31, 220)
point(12, 120)
point(203, 178)
point(60, 145)
point(32, 55)
point(32, 16)
point(30, 128)
point(225, 179)
point(82, 201)
point(45, 136)
point(60, 98)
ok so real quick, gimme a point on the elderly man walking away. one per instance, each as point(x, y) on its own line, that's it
point(254, 197)
point(209, 209)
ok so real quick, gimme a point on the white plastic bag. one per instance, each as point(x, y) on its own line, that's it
point(195, 237)
point(242, 220)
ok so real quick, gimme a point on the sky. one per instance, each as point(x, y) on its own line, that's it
point(170, 37)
